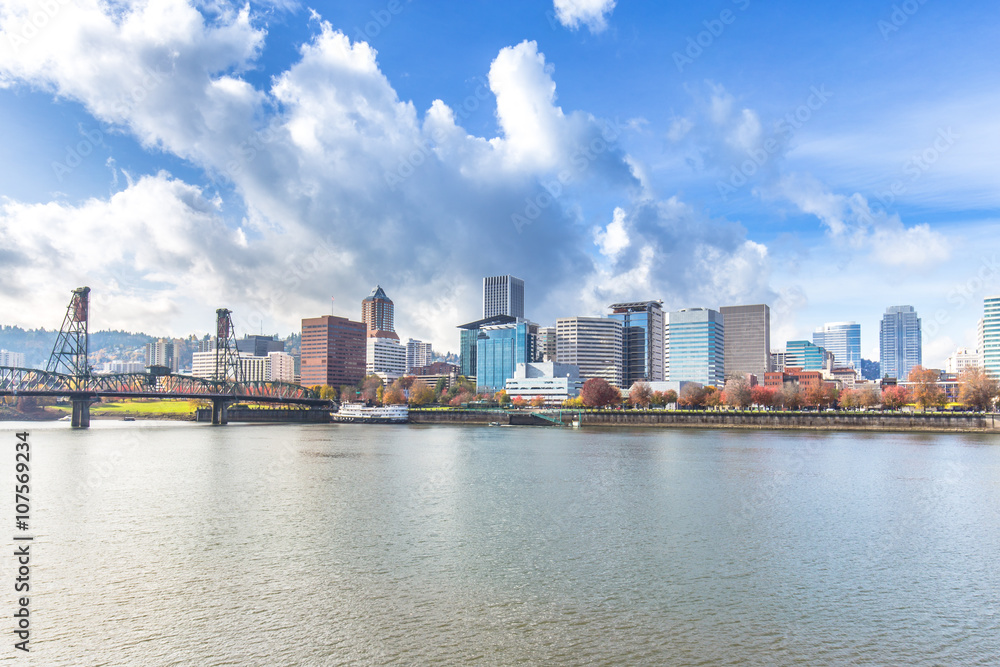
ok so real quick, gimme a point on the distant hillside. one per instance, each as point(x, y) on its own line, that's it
point(36, 344)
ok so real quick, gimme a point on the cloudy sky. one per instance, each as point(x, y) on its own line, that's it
point(828, 158)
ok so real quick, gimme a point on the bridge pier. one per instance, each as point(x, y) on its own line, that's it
point(220, 411)
point(81, 413)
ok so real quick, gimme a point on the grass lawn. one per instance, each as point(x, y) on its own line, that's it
point(124, 408)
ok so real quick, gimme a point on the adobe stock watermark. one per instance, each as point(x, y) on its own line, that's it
point(580, 161)
point(36, 21)
point(423, 151)
point(247, 150)
point(286, 280)
point(969, 291)
point(784, 130)
point(127, 101)
point(916, 166)
point(901, 13)
point(381, 18)
point(75, 154)
point(714, 28)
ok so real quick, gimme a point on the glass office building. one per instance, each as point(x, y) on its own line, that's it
point(695, 341)
point(467, 342)
point(499, 349)
point(900, 342)
point(843, 339)
point(805, 355)
point(642, 340)
point(991, 336)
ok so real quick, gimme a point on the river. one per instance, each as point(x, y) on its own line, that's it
point(160, 543)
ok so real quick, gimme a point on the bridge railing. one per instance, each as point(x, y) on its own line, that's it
point(22, 380)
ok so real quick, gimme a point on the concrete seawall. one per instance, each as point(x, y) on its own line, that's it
point(276, 415)
point(870, 421)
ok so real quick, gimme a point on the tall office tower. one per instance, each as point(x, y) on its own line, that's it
point(807, 356)
point(545, 349)
point(696, 347)
point(385, 357)
point(376, 314)
point(642, 340)
point(418, 354)
point(991, 335)
point(499, 349)
point(844, 340)
point(594, 344)
point(899, 342)
point(503, 295)
point(748, 340)
point(333, 351)
point(981, 340)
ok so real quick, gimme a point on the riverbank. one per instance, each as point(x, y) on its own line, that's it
point(755, 420)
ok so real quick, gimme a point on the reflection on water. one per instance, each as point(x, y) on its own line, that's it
point(252, 544)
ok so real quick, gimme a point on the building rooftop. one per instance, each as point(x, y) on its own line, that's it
point(377, 293)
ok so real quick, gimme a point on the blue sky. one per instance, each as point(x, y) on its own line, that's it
point(830, 159)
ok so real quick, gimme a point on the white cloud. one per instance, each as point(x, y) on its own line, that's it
point(852, 222)
point(614, 238)
point(343, 185)
point(592, 13)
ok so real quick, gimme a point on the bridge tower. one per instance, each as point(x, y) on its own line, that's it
point(69, 354)
point(227, 362)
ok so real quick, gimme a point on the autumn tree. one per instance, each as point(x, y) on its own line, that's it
point(790, 396)
point(925, 390)
point(502, 398)
point(348, 393)
point(441, 386)
point(369, 388)
point(422, 395)
point(597, 393)
point(658, 399)
point(669, 396)
point(869, 396)
point(713, 397)
point(977, 389)
point(538, 402)
point(692, 396)
point(763, 396)
point(394, 395)
point(850, 399)
point(519, 402)
point(406, 382)
point(737, 392)
point(895, 397)
point(641, 394)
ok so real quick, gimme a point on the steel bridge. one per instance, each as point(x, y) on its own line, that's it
point(83, 387)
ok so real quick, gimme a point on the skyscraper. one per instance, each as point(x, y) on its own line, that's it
point(844, 340)
point(696, 349)
point(594, 344)
point(545, 349)
point(899, 342)
point(333, 351)
point(377, 315)
point(748, 340)
point(642, 340)
point(503, 295)
point(991, 335)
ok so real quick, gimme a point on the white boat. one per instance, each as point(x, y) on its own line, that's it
point(359, 413)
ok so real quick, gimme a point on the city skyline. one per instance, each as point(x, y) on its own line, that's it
point(267, 158)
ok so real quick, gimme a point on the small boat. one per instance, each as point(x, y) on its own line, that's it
point(360, 413)
point(128, 419)
point(494, 423)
